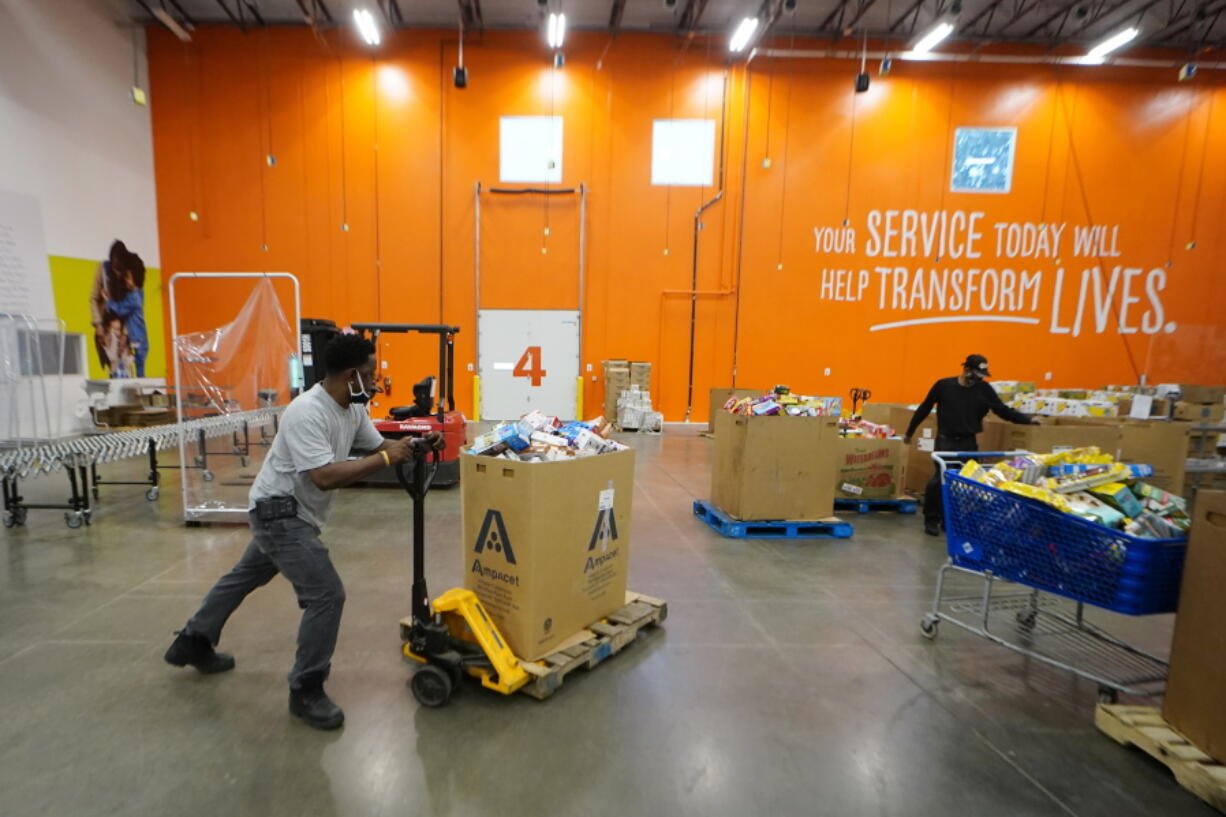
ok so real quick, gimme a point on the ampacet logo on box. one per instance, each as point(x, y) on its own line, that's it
point(493, 537)
point(603, 533)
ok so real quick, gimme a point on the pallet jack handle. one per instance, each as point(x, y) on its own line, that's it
point(417, 487)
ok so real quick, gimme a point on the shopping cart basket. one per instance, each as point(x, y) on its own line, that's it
point(1000, 537)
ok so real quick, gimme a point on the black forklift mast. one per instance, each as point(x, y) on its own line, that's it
point(446, 354)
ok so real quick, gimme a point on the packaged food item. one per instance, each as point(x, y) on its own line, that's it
point(1057, 501)
point(1164, 498)
point(1090, 507)
point(973, 470)
point(536, 437)
point(1119, 496)
point(1070, 485)
point(783, 401)
point(1089, 484)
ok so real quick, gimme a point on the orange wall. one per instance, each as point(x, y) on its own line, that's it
point(389, 148)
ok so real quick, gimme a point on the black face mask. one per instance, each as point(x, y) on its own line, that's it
point(361, 396)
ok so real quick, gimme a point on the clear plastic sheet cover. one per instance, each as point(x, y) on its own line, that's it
point(242, 365)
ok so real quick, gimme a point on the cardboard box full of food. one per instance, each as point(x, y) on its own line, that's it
point(546, 545)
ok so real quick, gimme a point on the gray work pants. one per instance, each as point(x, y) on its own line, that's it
point(292, 548)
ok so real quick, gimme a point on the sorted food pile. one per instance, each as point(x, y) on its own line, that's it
point(782, 402)
point(1089, 484)
point(859, 427)
point(536, 437)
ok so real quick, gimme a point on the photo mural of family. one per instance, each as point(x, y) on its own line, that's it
point(117, 311)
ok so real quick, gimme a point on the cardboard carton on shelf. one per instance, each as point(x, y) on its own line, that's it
point(1193, 703)
point(1193, 393)
point(1208, 413)
point(546, 545)
point(1053, 434)
point(774, 467)
point(640, 375)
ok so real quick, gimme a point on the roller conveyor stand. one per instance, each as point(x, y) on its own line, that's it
point(80, 458)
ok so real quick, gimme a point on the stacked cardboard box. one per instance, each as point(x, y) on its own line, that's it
point(1200, 404)
point(619, 376)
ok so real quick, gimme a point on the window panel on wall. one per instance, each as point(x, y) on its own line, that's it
point(683, 152)
point(530, 149)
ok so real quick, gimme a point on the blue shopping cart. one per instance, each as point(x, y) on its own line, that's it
point(1063, 563)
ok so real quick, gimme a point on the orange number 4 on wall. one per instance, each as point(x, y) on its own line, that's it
point(529, 365)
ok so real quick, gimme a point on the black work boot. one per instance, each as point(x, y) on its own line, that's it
point(196, 651)
point(313, 705)
point(932, 528)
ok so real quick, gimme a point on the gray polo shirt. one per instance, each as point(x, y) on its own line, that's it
point(315, 431)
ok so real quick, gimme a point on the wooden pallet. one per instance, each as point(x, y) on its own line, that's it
point(1145, 728)
point(593, 645)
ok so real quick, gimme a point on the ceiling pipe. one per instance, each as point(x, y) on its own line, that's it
point(1000, 59)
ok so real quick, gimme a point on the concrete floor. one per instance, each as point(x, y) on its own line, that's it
point(790, 678)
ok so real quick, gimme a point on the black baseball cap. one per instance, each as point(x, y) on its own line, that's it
point(977, 364)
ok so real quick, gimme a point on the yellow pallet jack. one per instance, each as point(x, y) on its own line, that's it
point(454, 635)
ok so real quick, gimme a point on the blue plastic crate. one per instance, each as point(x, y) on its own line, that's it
point(1026, 541)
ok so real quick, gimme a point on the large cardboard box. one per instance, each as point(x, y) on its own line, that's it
point(1197, 677)
point(1042, 439)
point(1192, 393)
point(1160, 443)
point(616, 381)
point(774, 467)
point(720, 396)
point(867, 468)
point(640, 375)
point(547, 544)
point(1209, 413)
point(1203, 444)
point(895, 415)
point(919, 466)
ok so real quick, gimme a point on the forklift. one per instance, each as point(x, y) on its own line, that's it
point(453, 636)
point(423, 416)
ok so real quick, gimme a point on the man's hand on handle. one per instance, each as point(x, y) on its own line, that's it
point(399, 451)
point(432, 441)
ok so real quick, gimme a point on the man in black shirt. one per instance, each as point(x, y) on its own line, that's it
point(964, 400)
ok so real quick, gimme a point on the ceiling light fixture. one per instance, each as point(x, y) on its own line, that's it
point(1097, 55)
point(365, 21)
point(740, 37)
point(555, 31)
point(933, 38)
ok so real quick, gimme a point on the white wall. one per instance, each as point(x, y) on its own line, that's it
point(70, 134)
